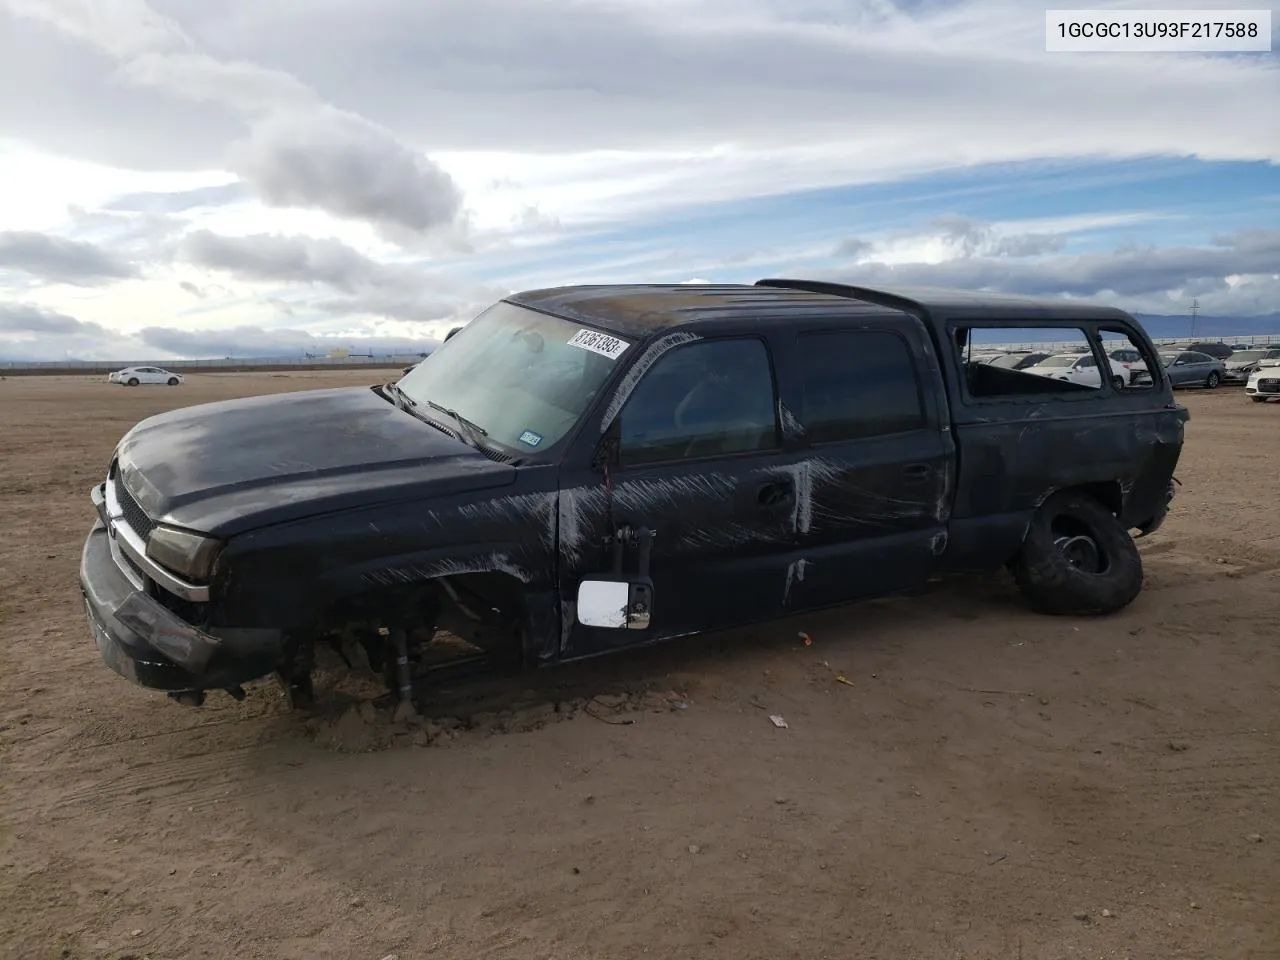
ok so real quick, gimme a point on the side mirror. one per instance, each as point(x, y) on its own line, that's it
point(618, 601)
point(615, 604)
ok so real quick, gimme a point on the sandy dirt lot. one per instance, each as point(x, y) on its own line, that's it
point(989, 784)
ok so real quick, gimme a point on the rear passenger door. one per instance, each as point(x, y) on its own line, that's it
point(873, 487)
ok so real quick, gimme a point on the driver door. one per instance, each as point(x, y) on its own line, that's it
point(700, 463)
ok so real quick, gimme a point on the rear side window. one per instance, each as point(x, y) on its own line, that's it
point(857, 384)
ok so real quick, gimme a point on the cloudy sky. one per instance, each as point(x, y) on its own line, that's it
point(186, 178)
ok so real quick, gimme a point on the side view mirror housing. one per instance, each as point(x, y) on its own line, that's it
point(615, 604)
point(616, 600)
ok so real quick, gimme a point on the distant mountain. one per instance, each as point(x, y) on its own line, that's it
point(1161, 327)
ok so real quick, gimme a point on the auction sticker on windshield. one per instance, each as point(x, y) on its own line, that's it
point(530, 438)
point(600, 343)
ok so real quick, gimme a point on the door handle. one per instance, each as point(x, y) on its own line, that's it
point(775, 494)
point(916, 471)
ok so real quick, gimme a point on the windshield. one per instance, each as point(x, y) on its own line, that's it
point(1063, 360)
point(1248, 356)
point(1168, 358)
point(522, 377)
point(1009, 360)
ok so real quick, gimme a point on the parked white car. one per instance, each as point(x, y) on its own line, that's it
point(1264, 382)
point(1079, 368)
point(132, 376)
point(1130, 359)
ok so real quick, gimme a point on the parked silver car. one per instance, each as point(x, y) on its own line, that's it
point(1189, 368)
point(1244, 362)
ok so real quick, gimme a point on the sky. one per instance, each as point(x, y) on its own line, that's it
point(183, 179)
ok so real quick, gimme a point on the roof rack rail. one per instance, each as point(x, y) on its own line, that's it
point(849, 292)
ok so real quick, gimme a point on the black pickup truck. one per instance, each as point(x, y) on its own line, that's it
point(584, 469)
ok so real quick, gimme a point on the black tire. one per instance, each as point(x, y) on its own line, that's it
point(1077, 559)
point(1258, 399)
point(1117, 383)
point(1212, 380)
point(133, 381)
point(173, 381)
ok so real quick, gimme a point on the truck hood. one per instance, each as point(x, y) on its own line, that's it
point(223, 468)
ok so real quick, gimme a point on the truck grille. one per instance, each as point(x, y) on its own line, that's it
point(134, 515)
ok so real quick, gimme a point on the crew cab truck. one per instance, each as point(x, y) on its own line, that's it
point(584, 469)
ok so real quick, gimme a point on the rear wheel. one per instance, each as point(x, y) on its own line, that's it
point(1212, 380)
point(173, 381)
point(1078, 559)
point(133, 381)
point(1258, 399)
point(1117, 383)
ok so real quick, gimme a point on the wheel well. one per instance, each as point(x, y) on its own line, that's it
point(1107, 492)
point(487, 609)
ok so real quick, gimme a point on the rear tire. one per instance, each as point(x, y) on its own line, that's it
point(173, 381)
point(1212, 381)
point(133, 381)
point(1077, 559)
point(1258, 399)
point(1117, 383)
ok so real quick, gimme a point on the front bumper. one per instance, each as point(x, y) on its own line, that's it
point(143, 641)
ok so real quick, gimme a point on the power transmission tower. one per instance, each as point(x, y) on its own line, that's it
point(1195, 309)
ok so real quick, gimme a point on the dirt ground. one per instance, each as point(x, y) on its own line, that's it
point(989, 783)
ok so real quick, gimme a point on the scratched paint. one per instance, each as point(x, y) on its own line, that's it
point(652, 354)
point(795, 574)
point(538, 509)
point(804, 474)
point(418, 572)
point(792, 428)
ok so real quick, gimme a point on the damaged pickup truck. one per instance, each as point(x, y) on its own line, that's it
point(585, 469)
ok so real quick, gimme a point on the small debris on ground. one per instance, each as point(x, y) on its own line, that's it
point(808, 640)
point(1081, 915)
point(694, 848)
point(1107, 913)
point(1177, 746)
point(778, 721)
point(1253, 837)
point(841, 678)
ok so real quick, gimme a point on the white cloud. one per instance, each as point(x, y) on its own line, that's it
point(342, 165)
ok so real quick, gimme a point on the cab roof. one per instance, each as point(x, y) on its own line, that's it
point(638, 310)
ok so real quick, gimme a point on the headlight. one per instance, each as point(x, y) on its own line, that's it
point(184, 552)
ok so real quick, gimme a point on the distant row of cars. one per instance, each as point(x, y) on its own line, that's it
point(1184, 366)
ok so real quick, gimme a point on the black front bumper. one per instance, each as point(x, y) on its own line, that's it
point(143, 641)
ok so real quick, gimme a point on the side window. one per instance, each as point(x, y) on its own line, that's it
point(1063, 364)
point(1131, 368)
point(857, 383)
point(708, 398)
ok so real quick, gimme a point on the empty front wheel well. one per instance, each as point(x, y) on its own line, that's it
point(487, 609)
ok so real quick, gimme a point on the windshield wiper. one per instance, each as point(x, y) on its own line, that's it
point(473, 431)
point(400, 395)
